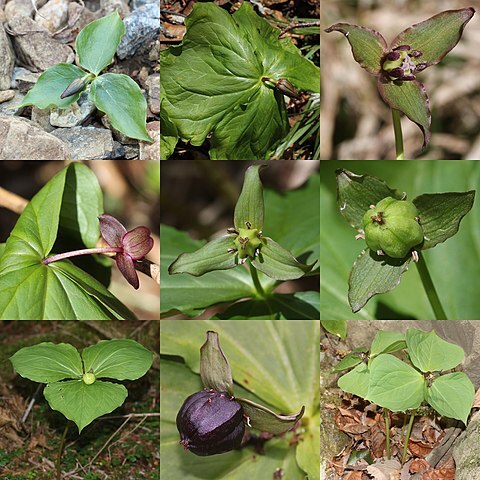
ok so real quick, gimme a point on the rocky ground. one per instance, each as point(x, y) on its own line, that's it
point(32, 41)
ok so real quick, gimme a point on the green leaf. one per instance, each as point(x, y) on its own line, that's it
point(278, 263)
point(97, 42)
point(51, 84)
point(368, 46)
point(213, 82)
point(48, 362)
point(263, 419)
point(335, 327)
point(356, 381)
point(436, 36)
point(83, 403)
point(349, 361)
point(249, 207)
point(121, 99)
point(168, 134)
point(441, 213)
point(430, 353)
point(308, 450)
point(452, 395)
point(410, 98)
point(387, 342)
point(212, 256)
point(214, 367)
point(122, 359)
point(394, 384)
point(373, 274)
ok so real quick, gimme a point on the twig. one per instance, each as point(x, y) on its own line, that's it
point(30, 404)
point(298, 25)
point(148, 268)
point(12, 201)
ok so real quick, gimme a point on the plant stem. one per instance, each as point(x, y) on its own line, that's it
point(397, 128)
point(407, 437)
point(387, 432)
point(256, 281)
point(429, 287)
point(60, 452)
point(75, 253)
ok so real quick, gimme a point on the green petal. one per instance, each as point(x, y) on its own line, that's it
point(249, 207)
point(436, 36)
point(212, 256)
point(410, 98)
point(368, 46)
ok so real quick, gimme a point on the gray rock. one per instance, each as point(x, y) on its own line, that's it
point(22, 8)
point(53, 15)
point(87, 143)
point(74, 115)
point(153, 89)
point(7, 59)
point(117, 135)
point(6, 95)
point(465, 451)
point(142, 27)
point(42, 118)
point(21, 139)
point(35, 49)
point(131, 152)
point(109, 6)
point(11, 108)
point(151, 151)
point(23, 80)
point(140, 3)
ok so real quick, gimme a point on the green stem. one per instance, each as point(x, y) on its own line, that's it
point(407, 437)
point(387, 432)
point(60, 452)
point(429, 287)
point(256, 281)
point(397, 128)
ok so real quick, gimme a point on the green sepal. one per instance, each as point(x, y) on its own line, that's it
point(249, 207)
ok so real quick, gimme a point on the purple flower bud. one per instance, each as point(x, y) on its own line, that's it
point(74, 87)
point(403, 47)
point(415, 53)
point(396, 72)
point(210, 422)
point(408, 78)
point(393, 56)
point(421, 66)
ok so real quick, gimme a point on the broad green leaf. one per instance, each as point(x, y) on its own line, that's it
point(394, 384)
point(335, 327)
point(356, 381)
point(368, 46)
point(213, 82)
point(263, 419)
point(347, 362)
point(441, 213)
point(214, 368)
point(177, 383)
point(452, 396)
point(168, 133)
point(97, 42)
point(430, 353)
point(212, 256)
point(122, 359)
point(121, 99)
point(278, 263)
point(387, 342)
point(83, 403)
point(48, 362)
point(249, 207)
point(410, 98)
point(308, 450)
point(189, 294)
point(277, 306)
point(51, 84)
point(436, 36)
point(373, 274)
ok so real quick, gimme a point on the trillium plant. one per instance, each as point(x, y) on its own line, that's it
point(403, 386)
point(396, 231)
point(244, 242)
point(396, 66)
point(127, 247)
point(75, 383)
point(117, 95)
point(212, 421)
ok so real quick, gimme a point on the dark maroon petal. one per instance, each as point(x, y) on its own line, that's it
point(137, 242)
point(421, 66)
point(403, 47)
point(126, 266)
point(396, 72)
point(415, 53)
point(393, 56)
point(111, 229)
point(407, 78)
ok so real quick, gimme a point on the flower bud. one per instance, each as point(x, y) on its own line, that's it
point(392, 226)
point(88, 378)
point(287, 88)
point(74, 87)
point(247, 242)
point(210, 422)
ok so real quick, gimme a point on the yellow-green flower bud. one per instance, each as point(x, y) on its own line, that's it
point(248, 240)
point(88, 378)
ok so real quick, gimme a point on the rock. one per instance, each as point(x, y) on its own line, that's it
point(23, 80)
point(131, 152)
point(7, 59)
point(117, 135)
point(21, 139)
point(10, 108)
point(87, 143)
point(53, 15)
point(6, 95)
point(140, 3)
point(142, 27)
point(151, 151)
point(153, 88)
point(465, 451)
point(36, 50)
point(109, 6)
point(42, 118)
point(74, 115)
point(22, 8)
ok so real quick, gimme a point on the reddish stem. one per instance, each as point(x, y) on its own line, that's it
point(76, 253)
